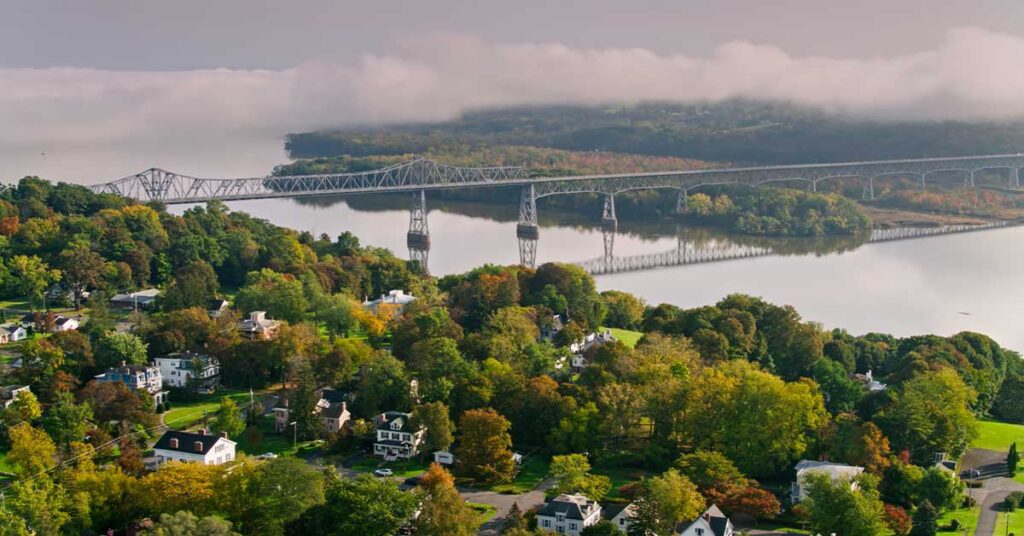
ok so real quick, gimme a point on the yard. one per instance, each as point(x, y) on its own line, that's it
point(485, 511)
point(1016, 522)
point(401, 468)
point(629, 338)
point(995, 435)
point(968, 518)
point(262, 438)
point(185, 414)
point(619, 477)
point(532, 472)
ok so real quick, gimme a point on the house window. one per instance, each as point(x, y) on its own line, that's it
point(547, 523)
point(622, 521)
point(572, 526)
point(700, 532)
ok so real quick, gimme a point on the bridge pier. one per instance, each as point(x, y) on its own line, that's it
point(869, 189)
point(608, 219)
point(970, 179)
point(1014, 177)
point(814, 186)
point(418, 235)
point(527, 227)
point(682, 201)
point(528, 252)
point(924, 181)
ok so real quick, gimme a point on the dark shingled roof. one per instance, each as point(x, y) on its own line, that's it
point(566, 505)
point(186, 441)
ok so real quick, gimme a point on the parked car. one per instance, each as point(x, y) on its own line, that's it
point(266, 456)
point(383, 472)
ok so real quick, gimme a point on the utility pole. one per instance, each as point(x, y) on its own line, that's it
point(295, 434)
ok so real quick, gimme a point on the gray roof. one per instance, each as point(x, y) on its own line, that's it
point(187, 441)
point(572, 506)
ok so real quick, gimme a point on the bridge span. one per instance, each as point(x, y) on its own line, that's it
point(687, 253)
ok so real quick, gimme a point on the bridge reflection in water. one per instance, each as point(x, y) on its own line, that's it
point(722, 250)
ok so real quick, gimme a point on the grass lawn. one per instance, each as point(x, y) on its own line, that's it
point(270, 441)
point(968, 520)
point(629, 338)
point(619, 478)
point(1020, 476)
point(484, 511)
point(530, 474)
point(776, 527)
point(401, 468)
point(995, 435)
point(1016, 523)
point(185, 414)
point(19, 304)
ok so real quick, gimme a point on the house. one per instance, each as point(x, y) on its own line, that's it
point(835, 471)
point(444, 457)
point(550, 330)
point(59, 295)
point(12, 333)
point(30, 320)
point(258, 326)
point(332, 407)
point(216, 307)
point(395, 436)
point(143, 377)
point(177, 369)
point(199, 447)
point(65, 323)
point(711, 523)
point(9, 393)
point(397, 298)
point(870, 382)
point(619, 515)
point(143, 299)
point(579, 349)
point(568, 514)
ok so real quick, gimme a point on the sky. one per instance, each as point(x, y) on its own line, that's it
point(98, 89)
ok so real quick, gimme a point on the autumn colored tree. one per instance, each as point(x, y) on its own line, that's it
point(748, 500)
point(443, 511)
point(32, 451)
point(180, 486)
point(485, 447)
point(897, 519)
point(81, 269)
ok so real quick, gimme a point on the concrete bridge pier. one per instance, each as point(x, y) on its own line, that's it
point(527, 226)
point(608, 219)
point(970, 179)
point(681, 201)
point(1014, 177)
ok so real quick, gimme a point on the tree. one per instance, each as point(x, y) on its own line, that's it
point(1012, 459)
point(194, 285)
point(925, 520)
point(485, 446)
point(67, 421)
point(442, 510)
point(841, 392)
point(24, 408)
point(43, 504)
point(748, 500)
point(897, 519)
point(32, 451)
point(31, 277)
point(434, 417)
point(281, 295)
point(229, 418)
point(116, 348)
point(572, 472)
point(366, 506)
point(180, 486)
point(624, 309)
point(930, 413)
point(835, 507)
point(942, 489)
point(601, 528)
point(302, 405)
point(514, 520)
point(263, 497)
point(663, 502)
point(709, 469)
point(187, 524)
point(81, 269)
point(12, 524)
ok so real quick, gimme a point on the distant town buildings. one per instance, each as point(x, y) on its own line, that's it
point(142, 377)
point(396, 437)
point(216, 307)
point(835, 471)
point(190, 369)
point(258, 326)
point(332, 407)
point(143, 299)
point(200, 447)
point(397, 298)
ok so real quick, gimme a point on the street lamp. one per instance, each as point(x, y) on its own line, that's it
point(295, 433)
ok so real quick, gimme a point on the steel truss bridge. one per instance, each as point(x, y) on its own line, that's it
point(688, 253)
point(420, 175)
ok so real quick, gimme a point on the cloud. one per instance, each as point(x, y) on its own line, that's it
point(972, 75)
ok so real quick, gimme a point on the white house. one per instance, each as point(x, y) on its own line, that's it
point(332, 407)
point(579, 349)
point(12, 333)
point(258, 326)
point(396, 297)
point(568, 514)
point(65, 323)
point(620, 516)
point(177, 369)
point(870, 382)
point(395, 436)
point(143, 299)
point(199, 447)
point(711, 523)
point(216, 307)
point(835, 471)
point(9, 393)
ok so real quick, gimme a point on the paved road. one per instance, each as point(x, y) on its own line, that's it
point(503, 503)
point(996, 490)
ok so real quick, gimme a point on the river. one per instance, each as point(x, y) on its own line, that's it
point(941, 285)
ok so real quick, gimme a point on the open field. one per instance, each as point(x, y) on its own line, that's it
point(629, 338)
point(185, 414)
point(995, 435)
point(1016, 522)
point(968, 518)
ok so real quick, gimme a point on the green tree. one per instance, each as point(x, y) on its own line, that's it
point(663, 502)
point(1012, 459)
point(81, 269)
point(11, 524)
point(67, 421)
point(263, 497)
point(434, 417)
point(925, 520)
point(43, 504)
point(709, 469)
point(24, 408)
point(32, 451)
point(443, 511)
point(279, 294)
point(930, 413)
point(942, 489)
point(302, 405)
point(601, 528)
point(624, 309)
point(116, 348)
point(229, 418)
point(572, 472)
point(366, 506)
point(841, 392)
point(194, 285)
point(836, 507)
point(484, 449)
point(188, 524)
point(31, 277)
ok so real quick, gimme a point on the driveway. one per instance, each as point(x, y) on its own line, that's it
point(503, 503)
point(995, 490)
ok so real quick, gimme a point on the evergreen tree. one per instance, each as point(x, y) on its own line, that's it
point(1012, 459)
point(514, 520)
point(302, 406)
point(925, 520)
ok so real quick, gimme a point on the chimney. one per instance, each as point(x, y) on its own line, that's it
point(344, 407)
point(224, 435)
point(199, 446)
point(174, 442)
point(202, 431)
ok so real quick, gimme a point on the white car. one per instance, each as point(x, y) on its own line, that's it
point(383, 472)
point(267, 456)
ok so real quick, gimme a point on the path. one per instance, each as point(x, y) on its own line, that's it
point(996, 491)
point(991, 470)
point(503, 503)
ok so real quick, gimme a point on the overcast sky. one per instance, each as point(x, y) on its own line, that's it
point(90, 87)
